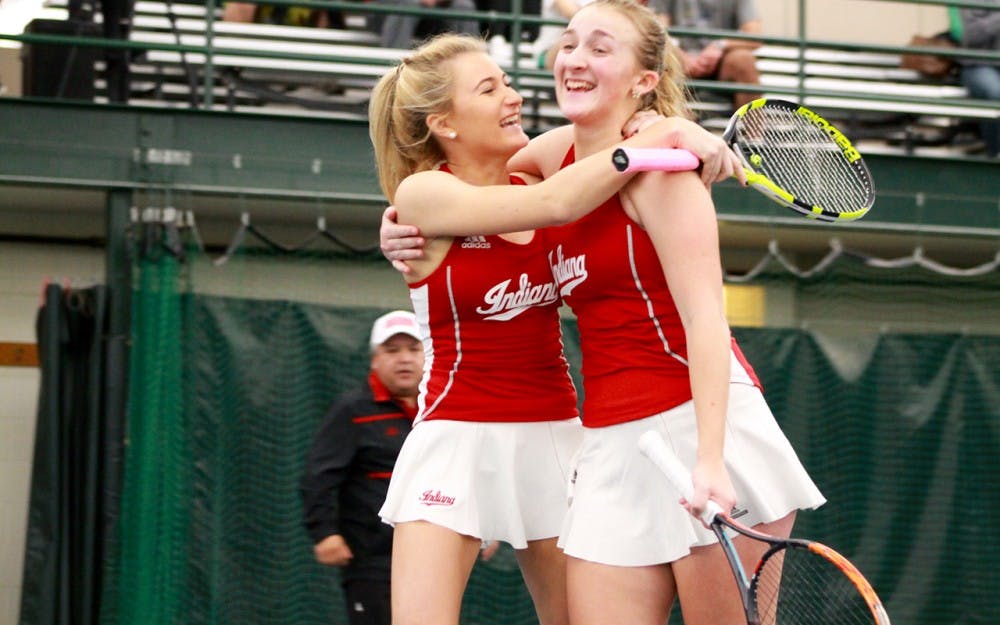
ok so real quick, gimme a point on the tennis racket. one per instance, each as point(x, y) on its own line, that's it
point(798, 582)
point(790, 154)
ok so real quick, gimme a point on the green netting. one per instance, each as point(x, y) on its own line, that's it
point(901, 430)
point(906, 455)
point(153, 555)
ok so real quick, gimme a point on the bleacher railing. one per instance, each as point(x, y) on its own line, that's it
point(526, 72)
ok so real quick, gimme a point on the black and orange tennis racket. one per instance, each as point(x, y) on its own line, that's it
point(789, 153)
point(796, 582)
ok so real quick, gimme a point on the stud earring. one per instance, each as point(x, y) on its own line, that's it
point(635, 94)
point(452, 134)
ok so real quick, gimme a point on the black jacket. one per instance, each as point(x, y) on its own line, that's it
point(347, 475)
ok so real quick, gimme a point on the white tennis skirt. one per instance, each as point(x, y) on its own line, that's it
point(493, 481)
point(622, 510)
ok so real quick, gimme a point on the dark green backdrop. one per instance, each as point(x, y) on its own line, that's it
point(225, 394)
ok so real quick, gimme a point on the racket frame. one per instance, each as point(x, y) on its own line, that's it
point(652, 445)
point(748, 586)
point(765, 185)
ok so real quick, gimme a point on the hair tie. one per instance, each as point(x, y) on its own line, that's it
point(402, 62)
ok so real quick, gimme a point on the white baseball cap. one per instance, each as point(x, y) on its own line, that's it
point(393, 323)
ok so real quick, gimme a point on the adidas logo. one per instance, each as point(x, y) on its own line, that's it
point(475, 242)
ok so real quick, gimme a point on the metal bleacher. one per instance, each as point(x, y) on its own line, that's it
point(251, 67)
point(872, 95)
point(180, 56)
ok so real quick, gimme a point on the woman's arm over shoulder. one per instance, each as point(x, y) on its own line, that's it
point(442, 205)
point(543, 155)
point(719, 162)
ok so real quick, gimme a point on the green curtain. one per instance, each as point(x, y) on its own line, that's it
point(75, 460)
point(907, 451)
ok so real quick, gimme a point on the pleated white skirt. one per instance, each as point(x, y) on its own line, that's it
point(623, 512)
point(493, 481)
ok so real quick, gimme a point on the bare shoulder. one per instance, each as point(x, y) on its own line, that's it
point(431, 176)
point(656, 195)
point(427, 191)
point(659, 184)
point(419, 183)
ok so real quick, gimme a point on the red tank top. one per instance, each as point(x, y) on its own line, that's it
point(633, 342)
point(495, 351)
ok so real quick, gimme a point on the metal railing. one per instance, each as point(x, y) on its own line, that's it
point(518, 21)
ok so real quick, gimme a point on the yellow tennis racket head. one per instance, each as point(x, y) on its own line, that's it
point(799, 159)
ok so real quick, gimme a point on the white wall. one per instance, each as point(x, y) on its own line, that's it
point(856, 21)
point(10, 71)
point(19, 389)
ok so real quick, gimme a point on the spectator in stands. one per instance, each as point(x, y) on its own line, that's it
point(348, 468)
point(281, 15)
point(399, 31)
point(728, 60)
point(493, 27)
point(979, 29)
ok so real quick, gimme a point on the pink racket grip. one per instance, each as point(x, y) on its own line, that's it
point(654, 159)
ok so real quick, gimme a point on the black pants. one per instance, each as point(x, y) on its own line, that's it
point(367, 602)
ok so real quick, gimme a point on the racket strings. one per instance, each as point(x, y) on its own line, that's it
point(798, 156)
point(796, 586)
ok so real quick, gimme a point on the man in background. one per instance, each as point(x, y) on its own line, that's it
point(979, 29)
point(728, 60)
point(349, 465)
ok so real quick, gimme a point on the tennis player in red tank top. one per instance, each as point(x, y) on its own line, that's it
point(657, 354)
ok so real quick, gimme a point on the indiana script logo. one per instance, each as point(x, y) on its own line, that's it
point(503, 303)
point(568, 272)
point(435, 498)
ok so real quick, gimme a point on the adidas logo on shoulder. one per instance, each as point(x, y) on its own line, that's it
point(476, 242)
